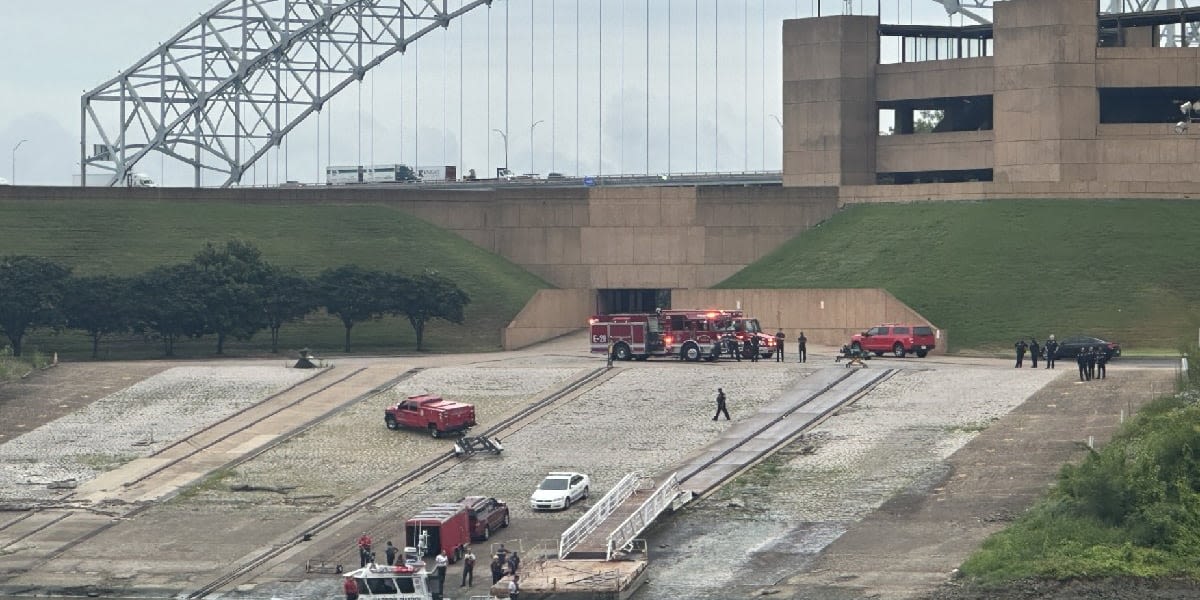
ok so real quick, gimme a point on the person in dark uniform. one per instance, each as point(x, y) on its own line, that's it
point(731, 344)
point(779, 337)
point(721, 405)
point(1091, 362)
point(1081, 360)
point(390, 553)
point(497, 569)
point(1034, 351)
point(1102, 363)
point(753, 344)
point(802, 347)
point(1051, 348)
point(1021, 347)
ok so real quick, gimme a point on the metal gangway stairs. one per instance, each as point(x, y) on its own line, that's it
point(611, 525)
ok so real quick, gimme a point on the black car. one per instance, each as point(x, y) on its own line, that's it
point(1072, 346)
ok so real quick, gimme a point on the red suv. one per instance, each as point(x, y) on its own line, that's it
point(897, 339)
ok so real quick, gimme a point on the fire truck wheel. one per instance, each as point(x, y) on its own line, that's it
point(391, 422)
point(487, 533)
point(621, 352)
point(691, 353)
point(898, 350)
point(433, 431)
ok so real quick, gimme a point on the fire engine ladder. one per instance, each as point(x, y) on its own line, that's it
point(598, 513)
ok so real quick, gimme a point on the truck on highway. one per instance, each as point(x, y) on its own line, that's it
point(139, 180)
point(437, 173)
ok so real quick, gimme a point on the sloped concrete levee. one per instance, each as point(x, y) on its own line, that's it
point(743, 445)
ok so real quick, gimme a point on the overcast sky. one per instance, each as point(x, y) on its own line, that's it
point(718, 114)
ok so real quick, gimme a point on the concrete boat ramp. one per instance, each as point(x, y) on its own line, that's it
point(600, 556)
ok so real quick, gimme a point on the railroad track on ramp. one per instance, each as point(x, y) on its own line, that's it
point(399, 484)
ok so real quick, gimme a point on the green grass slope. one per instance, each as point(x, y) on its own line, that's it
point(130, 237)
point(992, 272)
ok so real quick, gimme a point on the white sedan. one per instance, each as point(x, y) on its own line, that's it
point(559, 489)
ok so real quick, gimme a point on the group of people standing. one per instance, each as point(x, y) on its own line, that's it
point(1093, 363)
point(1049, 350)
point(734, 347)
point(1092, 360)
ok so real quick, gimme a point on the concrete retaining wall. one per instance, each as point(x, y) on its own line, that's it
point(547, 315)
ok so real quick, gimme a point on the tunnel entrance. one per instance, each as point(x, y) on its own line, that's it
point(631, 300)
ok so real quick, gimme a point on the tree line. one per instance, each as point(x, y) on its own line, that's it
point(227, 291)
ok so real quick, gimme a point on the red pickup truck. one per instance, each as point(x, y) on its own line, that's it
point(431, 413)
point(899, 339)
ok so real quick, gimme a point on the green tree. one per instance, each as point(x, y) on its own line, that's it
point(99, 305)
point(353, 295)
point(287, 297)
point(31, 292)
point(169, 304)
point(233, 279)
point(928, 120)
point(428, 296)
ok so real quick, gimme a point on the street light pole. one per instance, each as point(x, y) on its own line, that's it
point(504, 136)
point(14, 161)
point(535, 124)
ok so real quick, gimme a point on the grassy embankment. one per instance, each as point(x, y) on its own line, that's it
point(1129, 510)
point(992, 272)
point(130, 237)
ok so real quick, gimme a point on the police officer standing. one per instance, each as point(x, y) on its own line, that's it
point(1102, 363)
point(1034, 350)
point(1081, 360)
point(779, 345)
point(754, 349)
point(731, 344)
point(1051, 348)
point(802, 347)
point(1091, 362)
point(1021, 346)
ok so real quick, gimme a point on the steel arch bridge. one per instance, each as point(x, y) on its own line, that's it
point(233, 75)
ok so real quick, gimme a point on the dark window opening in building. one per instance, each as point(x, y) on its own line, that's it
point(1145, 104)
point(938, 115)
point(918, 43)
point(965, 175)
point(631, 301)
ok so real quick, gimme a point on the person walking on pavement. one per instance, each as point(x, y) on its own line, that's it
point(468, 578)
point(350, 587)
point(1034, 351)
point(497, 569)
point(1021, 346)
point(390, 553)
point(1051, 348)
point(364, 550)
point(779, 337)
point(721, 405)
point(802, 348)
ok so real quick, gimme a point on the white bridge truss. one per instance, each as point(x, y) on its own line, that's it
point(246, 72)
point(1169, 37)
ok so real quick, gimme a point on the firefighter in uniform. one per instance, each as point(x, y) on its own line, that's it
point(754, 349)
point(779, 345)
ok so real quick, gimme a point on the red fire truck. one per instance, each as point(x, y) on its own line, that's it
point(705, 330)
point(636, 336)
point(440, 528)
